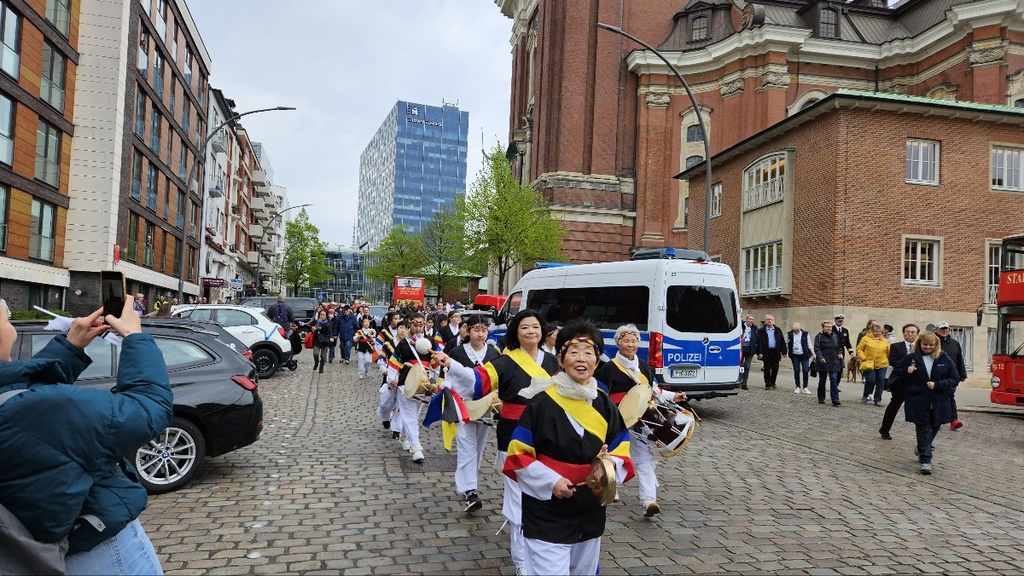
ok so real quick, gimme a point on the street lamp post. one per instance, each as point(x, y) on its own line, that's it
point(259, 248)
point(201, 193)
point(700, 122)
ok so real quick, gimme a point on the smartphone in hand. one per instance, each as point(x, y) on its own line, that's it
point(112, 288)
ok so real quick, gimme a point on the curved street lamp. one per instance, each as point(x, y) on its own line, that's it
point(202, 193)
point(259, 248)
point(700, 122)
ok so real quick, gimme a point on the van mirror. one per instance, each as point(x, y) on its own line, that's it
point(501, 317)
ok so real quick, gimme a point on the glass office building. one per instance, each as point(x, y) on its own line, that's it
point(412, 168)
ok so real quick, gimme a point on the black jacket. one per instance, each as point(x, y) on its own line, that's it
point(803, 342)
point(844, 339)
point(762, 341)
point(952, 347)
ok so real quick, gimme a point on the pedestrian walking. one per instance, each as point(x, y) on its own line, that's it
point(323, 339)
point(828, 358)
point(346, 331)
point(897, 384)
point(364, 347)
point(873, 353)
point(771, 347)
point(748, 345)
point(952, 347)
point(800, 351)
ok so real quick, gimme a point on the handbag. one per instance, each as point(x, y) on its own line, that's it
point(814, 370)
point(308, 340)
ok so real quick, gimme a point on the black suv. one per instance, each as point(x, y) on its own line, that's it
point(217, 408)
point(302, 308)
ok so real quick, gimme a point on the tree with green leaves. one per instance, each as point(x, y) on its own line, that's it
point(304, 254)
point(508, 222)
point(443, 240)
point(398, 254)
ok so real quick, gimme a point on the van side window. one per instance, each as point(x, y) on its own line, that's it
point(608, 307)
point(710, 309)
point(515, 303)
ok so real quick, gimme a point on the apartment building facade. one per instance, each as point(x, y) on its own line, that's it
point(39, 58)
point(135, 198)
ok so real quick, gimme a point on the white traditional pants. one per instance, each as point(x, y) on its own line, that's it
point(470, 442)
point(386, 404)
point(644, 462)
point(544, 558)
point(365, 361)
point(409, 418)
point(512, 510)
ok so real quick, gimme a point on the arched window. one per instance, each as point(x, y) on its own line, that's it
point(699, 29)
point(692, 161)
point(693, 133)
point(828, 23)
point(808, 104)
point(1019, 103)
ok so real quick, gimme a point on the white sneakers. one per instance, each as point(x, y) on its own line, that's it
point(797, 391)
point(417, 454)
point(651, 508)
point(406, 445)
point(807, 390)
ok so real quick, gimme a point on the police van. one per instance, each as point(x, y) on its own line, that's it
point(685, 306)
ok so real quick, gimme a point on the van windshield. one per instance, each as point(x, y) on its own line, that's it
point(707, 309)
point(607, 307)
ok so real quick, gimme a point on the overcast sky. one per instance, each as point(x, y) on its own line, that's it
point(344, 64)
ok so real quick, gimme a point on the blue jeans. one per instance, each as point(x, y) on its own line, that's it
point(874, 380)
point(800, 364)
point(346, 349)
point(834, 392)
point(926, 433)
point(130, 552)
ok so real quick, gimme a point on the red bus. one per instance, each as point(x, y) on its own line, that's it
point(1008, 359)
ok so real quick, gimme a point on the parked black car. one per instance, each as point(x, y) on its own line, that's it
point(217, 408)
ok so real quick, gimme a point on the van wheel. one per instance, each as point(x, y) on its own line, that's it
point(265, 361)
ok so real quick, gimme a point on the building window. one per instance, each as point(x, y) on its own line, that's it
point(202, 88)
point(699, 29)
point(6, 130)
point(180, 219)
point(47, 154)
point(40, 238)
point(188, 67)
point(133, 237)
point(10, 61)
point(185, 115)
point(170, 146)
point(174, 89)
point(167, 200)
point(1019, 103)
point(763, 182)
point(692, 161)
point(137, 176)
point(922, 161)
point(995, 251)
point(4, 194)
point(161, 19)
point(177, 257)
point(762, 269)
point(151, 179)
point(716, 200)
point(921, 262)
point(158, 74)
point(1006, 168)
point(143, 65)
point(174, 41)
point(809, 103)
point(965, 336)
point(51, 84)
point(147, 250)
point(154, 129)
point(182, 158)
point(828, 25)
point(694, 134)
point(58, 13)
point(140, 114)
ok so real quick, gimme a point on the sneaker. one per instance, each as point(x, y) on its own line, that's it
point(797, 391)
point(387, 424)
point(520, 571)
point(473, 502)
point(807, 391)
point(865, 400)
point(926, 468)
point(879, 404)
point(395, 435)
point(821, 401)
point(837, 403)
point(885, 435)
point(406, 445)
point(651, 508)
point(346, 362)
point(956, 425)
point(417, 455)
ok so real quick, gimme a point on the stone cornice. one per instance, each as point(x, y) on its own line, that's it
point(604, 182)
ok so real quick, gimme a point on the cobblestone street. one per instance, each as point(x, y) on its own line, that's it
point(771, 482)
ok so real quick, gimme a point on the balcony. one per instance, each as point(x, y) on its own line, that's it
point(256, 230)
point(252, 257)
point(217, 190)
point(267, 249)
point(263, 191)
point(219, 144)
point(259, 177)
point(273, 208)
point(259, 207)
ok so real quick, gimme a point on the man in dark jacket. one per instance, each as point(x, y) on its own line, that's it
point(771, 347)
point(347, 327)
point(952, 347)
point(64, 473)
point(844, 335)
point(748, 344)
point(897, 385)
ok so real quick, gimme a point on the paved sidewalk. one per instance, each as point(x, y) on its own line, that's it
point(772, 482)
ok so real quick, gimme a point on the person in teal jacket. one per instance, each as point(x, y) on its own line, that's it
point(63, 447)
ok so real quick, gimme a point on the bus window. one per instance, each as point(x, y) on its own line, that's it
point(607, 307)
point(702, 309)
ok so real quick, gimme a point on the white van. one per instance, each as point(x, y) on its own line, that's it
point(685, 306)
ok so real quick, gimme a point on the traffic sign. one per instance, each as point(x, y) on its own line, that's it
point(237, 284)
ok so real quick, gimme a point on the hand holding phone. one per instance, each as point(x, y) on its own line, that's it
point(112, 289)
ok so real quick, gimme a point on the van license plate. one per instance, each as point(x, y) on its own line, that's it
point(684, 373)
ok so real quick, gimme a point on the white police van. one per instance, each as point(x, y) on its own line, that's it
point(685, 306)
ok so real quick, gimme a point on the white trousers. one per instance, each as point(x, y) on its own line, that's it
point(365, 361)
point(386, 404)
point(512, 510)
point(470, 442)
point(644, 462)
point(409, 418)
point(544, 558)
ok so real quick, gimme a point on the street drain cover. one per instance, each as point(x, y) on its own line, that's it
point(433, 463)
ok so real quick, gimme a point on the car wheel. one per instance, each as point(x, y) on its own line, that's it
point(265, 361)
point(172, 459)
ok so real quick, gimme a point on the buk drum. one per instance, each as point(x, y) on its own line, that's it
point(669, 426)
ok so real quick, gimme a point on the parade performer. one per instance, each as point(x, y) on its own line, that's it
point(364, 339)
point(509, 373)
point(625, 371)
point(385, 345)
point(398, 364)
point(568, 424)
point(471, 437)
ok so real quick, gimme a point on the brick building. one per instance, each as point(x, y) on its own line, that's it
point(601, 125)
point(38, 73)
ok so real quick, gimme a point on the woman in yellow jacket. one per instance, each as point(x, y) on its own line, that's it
point(873, 352)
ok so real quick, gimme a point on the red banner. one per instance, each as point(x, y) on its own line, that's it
point(410, 291)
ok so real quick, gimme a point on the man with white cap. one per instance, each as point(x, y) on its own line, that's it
point(952, 347)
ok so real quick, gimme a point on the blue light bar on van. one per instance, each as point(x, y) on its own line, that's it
point(543, 265)
point(670, 254)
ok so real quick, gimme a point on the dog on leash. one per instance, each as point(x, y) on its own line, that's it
point(853, 369)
